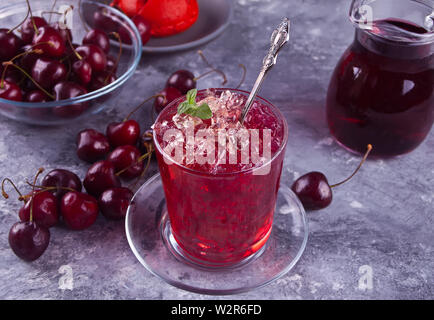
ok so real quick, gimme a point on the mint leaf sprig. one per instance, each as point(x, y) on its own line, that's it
point(190, 107)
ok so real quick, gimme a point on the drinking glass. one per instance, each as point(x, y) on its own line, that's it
point(220, 219)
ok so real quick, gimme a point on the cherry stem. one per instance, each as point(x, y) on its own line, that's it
point(143, 157)
point(142, 104)
point(225, 80)
point(37, 51)
point(28, 76)
point(52, 9)
point(243, 78)
point(149, 149)
point(29, 12)
point(369, 148)
point(118, 37)
point(71, 8)
point(68, 38)
point(81, 17)
point(204, 75)
point(72, 47)
point(40, 170)
point(50, 43)
point(51, 12)
point(5, 195)
point(45, 188)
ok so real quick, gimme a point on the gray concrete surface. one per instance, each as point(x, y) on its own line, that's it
point(382, 221)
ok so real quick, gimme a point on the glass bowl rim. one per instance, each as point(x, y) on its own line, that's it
point(275, 110)
point(137, 47)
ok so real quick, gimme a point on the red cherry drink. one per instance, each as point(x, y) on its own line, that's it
point(221, 211)
point(382, 91)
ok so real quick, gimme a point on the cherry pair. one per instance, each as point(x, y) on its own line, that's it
point(59, 194)
point(122, 136)
point(118, 146)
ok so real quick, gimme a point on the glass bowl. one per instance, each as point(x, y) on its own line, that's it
point(64, 111)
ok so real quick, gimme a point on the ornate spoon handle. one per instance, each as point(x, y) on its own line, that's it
point(279, 38)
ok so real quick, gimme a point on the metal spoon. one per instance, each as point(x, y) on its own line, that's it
point(279, 38)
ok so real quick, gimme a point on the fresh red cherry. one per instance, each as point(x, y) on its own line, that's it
point(112, 64)
point(10, 91)
point(124, 35)
point(44, 209)
point(28, 28)
point(79, 210)
point(9, 45)
point(101, 79)
point(92, 145)
point(100, 177)
point(123, 133)
point(143, 26)
point(182, 80)
point(47, 72)
point(94, 55)
point(36, 96)
point(11, 74)
point(103, 20)
point(98, 38)
point(82, 71)
point(50, 41)
point(62, 180)
point(28, 60)
point(167, 96)
point(67, 90)
point(28, 240)
point(314, 190)
point(70, 52)
point(126, 159)
point(114, 203)
point(64, 32)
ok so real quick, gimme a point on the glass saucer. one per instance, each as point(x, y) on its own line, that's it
point(149, 235)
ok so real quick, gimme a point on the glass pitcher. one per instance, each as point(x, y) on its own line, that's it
point(382, 90)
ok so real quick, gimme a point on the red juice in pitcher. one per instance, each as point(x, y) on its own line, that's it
point(382, 90)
